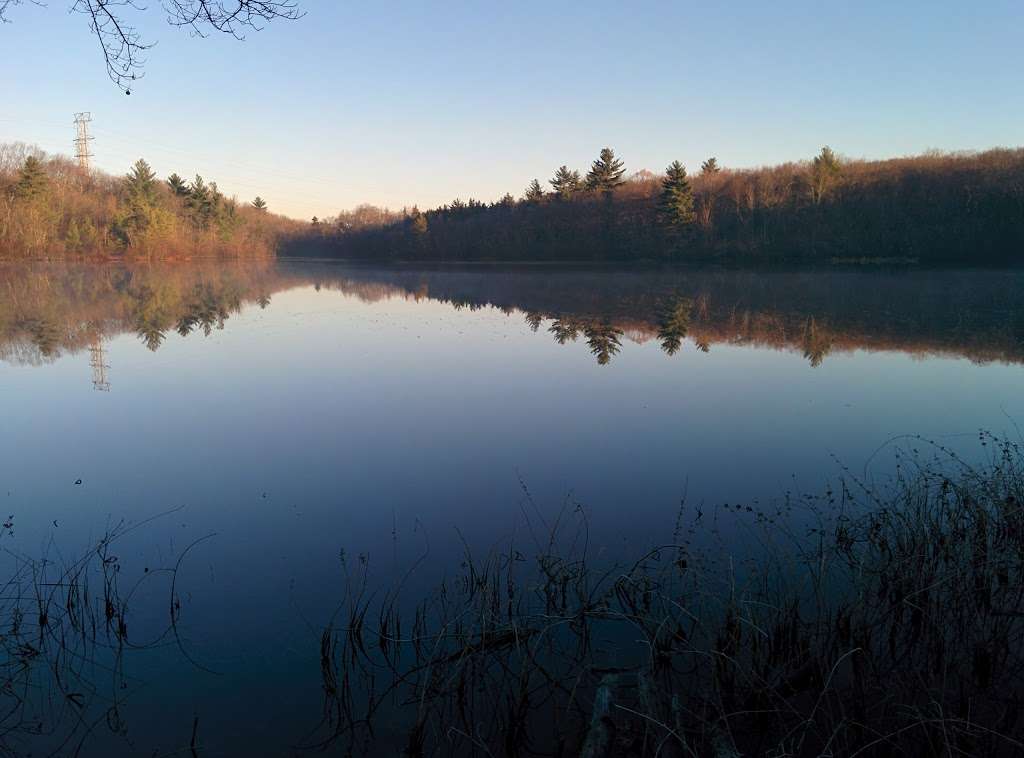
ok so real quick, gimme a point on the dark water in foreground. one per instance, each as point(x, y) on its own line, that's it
point(296, 410)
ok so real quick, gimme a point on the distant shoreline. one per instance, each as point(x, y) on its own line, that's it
point(936, 207)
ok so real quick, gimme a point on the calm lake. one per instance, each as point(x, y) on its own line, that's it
point(279, 418)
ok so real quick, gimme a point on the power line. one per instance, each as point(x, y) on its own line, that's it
point(82, 139)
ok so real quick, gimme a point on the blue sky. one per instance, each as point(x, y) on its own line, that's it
point(405, 103)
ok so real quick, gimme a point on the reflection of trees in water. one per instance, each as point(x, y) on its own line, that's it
point(153, 314)
point(208, 308)
point(45, 310)
point(45, 335)
point(565, 329)
point(674, 325)
point(817, 342)
point(603, 339)
point(67, 307)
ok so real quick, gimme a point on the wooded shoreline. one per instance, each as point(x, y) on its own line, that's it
point(936, 208)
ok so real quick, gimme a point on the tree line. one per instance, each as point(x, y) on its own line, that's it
point(931, 207)
point(51, 207)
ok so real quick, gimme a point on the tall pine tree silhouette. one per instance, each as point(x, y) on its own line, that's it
point(534, 193)
point(565, 183)
point(605, 173)
point(710, 166)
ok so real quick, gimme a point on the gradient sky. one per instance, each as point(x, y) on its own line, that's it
point(419, 103)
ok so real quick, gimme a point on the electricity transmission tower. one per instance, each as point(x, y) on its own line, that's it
point(82, 139)
point(98, 361)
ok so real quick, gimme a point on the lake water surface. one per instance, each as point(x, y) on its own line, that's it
point(288, 413)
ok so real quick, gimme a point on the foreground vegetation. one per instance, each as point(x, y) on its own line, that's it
point(860, 621)
point(49, 207)
point(863, 623)
point(932, 207)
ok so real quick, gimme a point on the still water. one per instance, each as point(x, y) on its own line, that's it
point(275, 417)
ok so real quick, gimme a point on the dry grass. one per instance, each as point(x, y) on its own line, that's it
point(869, 622)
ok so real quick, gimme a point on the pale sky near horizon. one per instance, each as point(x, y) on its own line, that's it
point(406, 103)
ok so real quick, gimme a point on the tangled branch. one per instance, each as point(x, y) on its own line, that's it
point(122, 46)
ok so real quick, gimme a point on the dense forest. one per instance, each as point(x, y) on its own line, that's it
point(965, 207)
point(49, 207)
point(932, 207)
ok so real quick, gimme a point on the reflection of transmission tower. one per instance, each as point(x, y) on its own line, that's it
point(82, 140)
point(98, 361)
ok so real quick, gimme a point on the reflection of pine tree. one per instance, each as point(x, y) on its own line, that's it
point(565, 329)
point(674, 325)
point(153, 314)
point(603, 339)
point(817, 342)
point(152, 336)
point(186, 324)
point(534, 320)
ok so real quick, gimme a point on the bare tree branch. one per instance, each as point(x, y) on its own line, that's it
point(5, 4)
point(229, 16)
point(123, 47)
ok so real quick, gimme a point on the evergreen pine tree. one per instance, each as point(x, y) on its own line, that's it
point(199, 202)
point(177, 185)
point(32, 180)
point(259, 203)
point(534, 193)
point(565, 183)
point(140, 213)
point(825, 170)
point(218, 208)
point(605, 173)
point(675, 205)
point(710, 166)
point(141, 184)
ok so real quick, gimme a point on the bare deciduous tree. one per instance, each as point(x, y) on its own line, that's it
point(122, 46)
